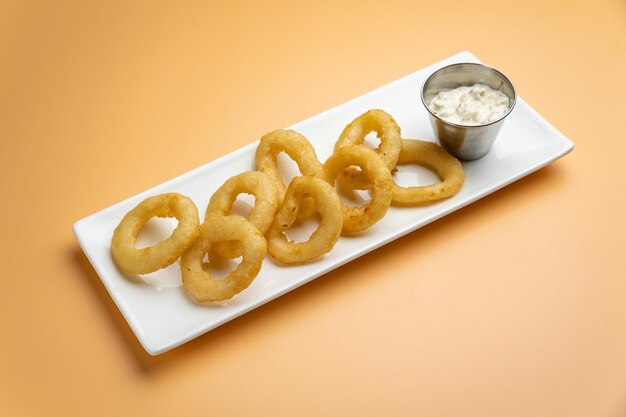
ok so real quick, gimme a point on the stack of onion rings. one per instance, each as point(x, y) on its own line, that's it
point(278, 207)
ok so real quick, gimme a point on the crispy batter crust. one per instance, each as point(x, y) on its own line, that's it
point(298, 148)
point(356, 219)
point(262, 214)
point(198, 283)
point(323, 239)
point(434, 157)
point(387, 130)
point(143, 261)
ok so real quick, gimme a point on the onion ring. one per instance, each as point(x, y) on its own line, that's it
point(143, 261)
point(261, 216)
point(328, 205)
point(387, 130)
point(298, 148)
point(360, 218)
point(198, 283)
point(434, 157)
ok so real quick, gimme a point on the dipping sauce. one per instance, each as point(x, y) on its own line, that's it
point(470, 105)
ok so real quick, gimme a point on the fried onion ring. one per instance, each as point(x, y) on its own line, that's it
point(386, 129)
point(434, 157)
point(298, 148)
point(143, 261)
point(198, 283)
point(360, 218)
point(327, 203)
point(263, 189)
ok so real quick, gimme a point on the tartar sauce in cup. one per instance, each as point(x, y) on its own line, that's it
point(470, 105)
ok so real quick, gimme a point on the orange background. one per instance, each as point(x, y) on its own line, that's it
point(513, 306)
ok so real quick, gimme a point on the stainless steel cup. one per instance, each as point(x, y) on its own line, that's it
point(466, 142)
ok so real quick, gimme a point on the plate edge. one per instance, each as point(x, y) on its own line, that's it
point(156, 349)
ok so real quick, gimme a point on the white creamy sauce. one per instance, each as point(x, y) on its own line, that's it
point(470, 105)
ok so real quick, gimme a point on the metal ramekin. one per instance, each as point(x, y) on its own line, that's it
point(466, 142)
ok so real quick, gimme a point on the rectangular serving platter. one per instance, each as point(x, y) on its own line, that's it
point(165, 318)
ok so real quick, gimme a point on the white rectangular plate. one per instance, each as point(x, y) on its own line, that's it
point(166, 318)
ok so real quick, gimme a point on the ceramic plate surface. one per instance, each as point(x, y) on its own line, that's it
point(163, 317)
